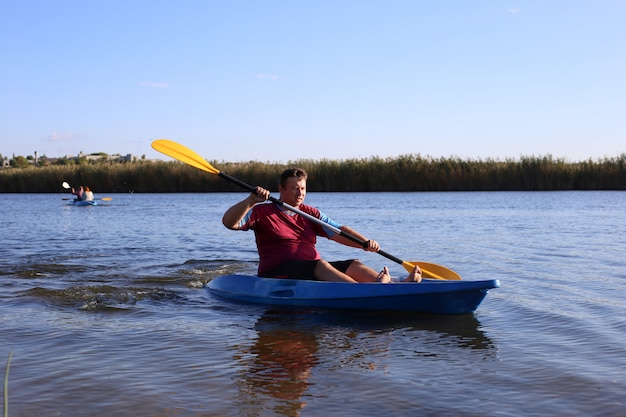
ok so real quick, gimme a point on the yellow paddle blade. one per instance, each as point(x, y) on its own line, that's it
point(106, 199)
point(430, 270)
point(183, 154)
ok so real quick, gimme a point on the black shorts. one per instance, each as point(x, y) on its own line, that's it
point(302, 269)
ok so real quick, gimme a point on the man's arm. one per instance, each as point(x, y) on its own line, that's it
point(233, 215)
point(372, 245)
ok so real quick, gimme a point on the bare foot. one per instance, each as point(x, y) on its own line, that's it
point(415, 276)
point(384, 276)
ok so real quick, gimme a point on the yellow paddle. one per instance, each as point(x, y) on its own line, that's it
point(103, 198)
point(186, 155)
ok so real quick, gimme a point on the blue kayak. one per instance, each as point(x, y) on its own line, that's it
point(429, 296)
point(83, 203)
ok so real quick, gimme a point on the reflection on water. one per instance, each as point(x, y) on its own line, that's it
point(276, 368)
point(462, 330)
point(279, 364)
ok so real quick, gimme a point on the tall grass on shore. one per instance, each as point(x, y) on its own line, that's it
point(403, 173)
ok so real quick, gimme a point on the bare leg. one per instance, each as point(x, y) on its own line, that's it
point(358, 272)
point(324, 271)
point(363, 273)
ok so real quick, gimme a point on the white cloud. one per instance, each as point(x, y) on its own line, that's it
point(62, 137)
point(514, 11)
point(267, 76)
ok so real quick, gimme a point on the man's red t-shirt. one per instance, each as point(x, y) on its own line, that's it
point(283, 236)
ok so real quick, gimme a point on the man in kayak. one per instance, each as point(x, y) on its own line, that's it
point(286, 240)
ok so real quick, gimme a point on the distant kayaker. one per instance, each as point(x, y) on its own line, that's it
point(78, 193)
point(286, 240)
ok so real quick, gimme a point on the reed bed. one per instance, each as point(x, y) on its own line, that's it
point(403, 173)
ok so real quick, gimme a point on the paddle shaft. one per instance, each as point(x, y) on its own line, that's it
point(103, 198)
point(314, 219)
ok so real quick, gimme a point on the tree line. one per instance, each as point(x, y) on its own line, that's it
point(403, 173)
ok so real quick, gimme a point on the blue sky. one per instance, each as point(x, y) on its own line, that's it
point(285, 80)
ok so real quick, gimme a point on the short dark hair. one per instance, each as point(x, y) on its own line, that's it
point(292, 172)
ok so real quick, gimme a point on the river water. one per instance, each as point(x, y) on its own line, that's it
point(104, 312)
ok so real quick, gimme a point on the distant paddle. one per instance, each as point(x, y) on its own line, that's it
point(186, 155)
point(103, 198)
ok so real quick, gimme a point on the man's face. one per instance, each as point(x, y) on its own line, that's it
point(293, 192)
